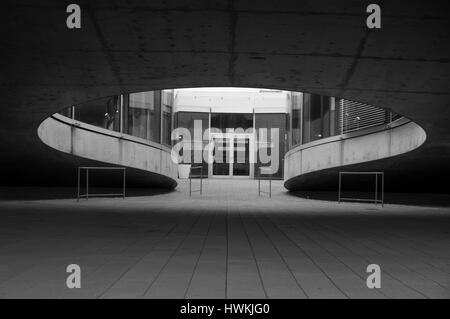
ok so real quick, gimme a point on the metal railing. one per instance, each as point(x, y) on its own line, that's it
point(375, 200)
point(354, 116)
point(200, 190)
point(270, 176)
point(87, 169)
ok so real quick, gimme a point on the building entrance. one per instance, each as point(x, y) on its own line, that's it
point(231, 155)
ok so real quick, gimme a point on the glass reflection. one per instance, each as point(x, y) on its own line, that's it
point(138, 114)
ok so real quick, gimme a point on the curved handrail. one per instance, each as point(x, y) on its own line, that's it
point(83, 140)
point(375, 143)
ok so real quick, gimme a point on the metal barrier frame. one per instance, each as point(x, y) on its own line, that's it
point(376, 200)
point(259, 182)
point(87, 169)
point(201, 180)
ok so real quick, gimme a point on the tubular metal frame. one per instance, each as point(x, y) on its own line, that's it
point(87, 195)
point(376, 200)
point(200, 190)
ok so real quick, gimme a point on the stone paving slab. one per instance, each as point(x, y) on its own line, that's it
point(226, 243)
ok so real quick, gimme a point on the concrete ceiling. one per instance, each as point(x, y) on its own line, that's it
point(128, 46)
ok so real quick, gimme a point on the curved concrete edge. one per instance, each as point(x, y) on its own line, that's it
point(365, 146)
point(111, 148)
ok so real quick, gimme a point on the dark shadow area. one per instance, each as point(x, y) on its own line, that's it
point(413, 199)
point(45, 193)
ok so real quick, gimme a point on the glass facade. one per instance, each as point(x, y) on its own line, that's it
point(112, 116)
point(296, 116)
point(224, 121)
point(221, 165)
point(241, 145)
point(313, 117)
point(269, 122)
point(241, 157)
point(101, 113)
point(166, 116)
point(310, 117)
point(317, 117)
point(187, 120)
point(146, 115)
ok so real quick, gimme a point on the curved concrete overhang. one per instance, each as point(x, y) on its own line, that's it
point(320, 47)
point(110, 148)
point(350, 150)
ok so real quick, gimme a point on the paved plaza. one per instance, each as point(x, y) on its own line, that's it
point(226, 243)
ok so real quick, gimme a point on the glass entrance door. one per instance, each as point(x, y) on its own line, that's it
point(241, 156)
point(231, 155)
point(221, 156)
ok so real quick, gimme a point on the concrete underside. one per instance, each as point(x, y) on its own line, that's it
point(226, 244)
point(314, 46)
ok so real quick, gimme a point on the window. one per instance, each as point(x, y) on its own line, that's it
point(66, 112)
point(112, 115)
point(224, 121)
point(167, 109)
point(99, 112)
point(269, 122)
point(144, 111)
point(316, 117)
point(297, 101)
point(187, 120)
